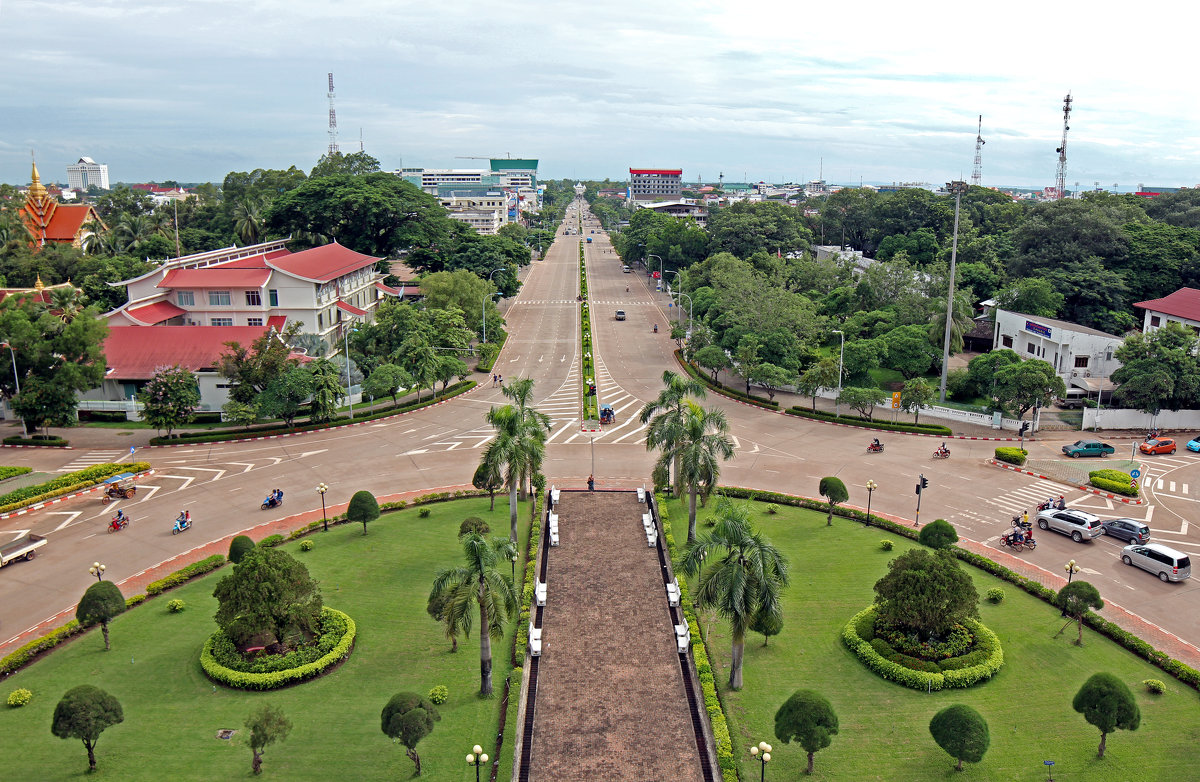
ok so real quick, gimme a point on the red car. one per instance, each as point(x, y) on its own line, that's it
point(1160, 445)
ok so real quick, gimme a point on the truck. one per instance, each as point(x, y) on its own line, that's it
point(24, 547)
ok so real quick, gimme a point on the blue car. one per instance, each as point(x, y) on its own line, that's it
point(1194, 444)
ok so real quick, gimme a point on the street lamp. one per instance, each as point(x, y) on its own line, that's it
point(871, 487)
point(1071, 569)
point(17, 381)
point(97, 570)
point(514, 566)
point(837, 403)
point(958, 188)
point(660, 263)
point(321, 489)
point(477, 757)
point(763, 753)
point(483, 311)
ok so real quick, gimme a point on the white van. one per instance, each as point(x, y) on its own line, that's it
point(1073, 399)
point(1165, 562)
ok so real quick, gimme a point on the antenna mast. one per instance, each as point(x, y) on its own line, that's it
point(1060, 178)
point(333, 145)
point(977, 172)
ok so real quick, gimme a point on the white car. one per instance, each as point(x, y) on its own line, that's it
point(1076, 523)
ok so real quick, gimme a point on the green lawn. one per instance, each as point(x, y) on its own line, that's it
point(885, 728)
point(172, 712)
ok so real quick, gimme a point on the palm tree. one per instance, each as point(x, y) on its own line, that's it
point(132, 231)
point(478, 582)
point(669, 405)
point(97, 239)
point(742, 585)
point(67, 302)
point(960, 323)
point(518, 448)
point(699, 439)
point(248, 219)
point(521, 392)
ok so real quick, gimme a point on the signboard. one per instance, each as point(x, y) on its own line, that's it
point(1038, 329)
point(1135, 473)
point(895, 400)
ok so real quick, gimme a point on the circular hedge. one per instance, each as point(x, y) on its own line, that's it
point(244, 680)
point(981, 664)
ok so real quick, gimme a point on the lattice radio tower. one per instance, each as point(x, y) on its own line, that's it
point(1060, 178)
point(977, 171)
point(333, 145)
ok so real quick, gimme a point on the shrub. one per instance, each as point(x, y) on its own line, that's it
point(268, 681)
point(65, 484)
point(471, 524)
point(52, 442)
point(130, 602)
point(19, 697)
point(185, 574)
point(1113, 480)
point(1153, 686)
point(885, 544)
point(306, 545)
point(238, 548)
point(423, 513)
point(938, 534)
point(1011, 455)
point(9, 472)
point(175, 605)
point(772, 508)
point(995, 595)
point(271, 541)
point(439, 695)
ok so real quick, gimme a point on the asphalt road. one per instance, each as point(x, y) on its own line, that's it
point(223, 484)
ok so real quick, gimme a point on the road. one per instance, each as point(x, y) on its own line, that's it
point(223, 484)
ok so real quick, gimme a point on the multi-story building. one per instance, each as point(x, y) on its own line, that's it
point(679, 209)
point(485, 211)
point(655, 184)
point(1081, 356)
point(86, 173)
point(1182, 306)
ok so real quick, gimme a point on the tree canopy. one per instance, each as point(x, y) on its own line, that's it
point(408, 718)
point(269, 596)
point(84, 713)
point(962, 732)
point(807, 718)
point(926, 593)
point(1106, 702)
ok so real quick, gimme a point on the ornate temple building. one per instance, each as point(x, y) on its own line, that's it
point(46, 220)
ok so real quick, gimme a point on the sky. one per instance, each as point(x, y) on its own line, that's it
point(761, 90)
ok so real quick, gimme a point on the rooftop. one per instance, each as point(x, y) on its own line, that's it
point(137, 352)
point(1183, 303)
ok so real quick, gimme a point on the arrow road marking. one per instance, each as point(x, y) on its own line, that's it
point(71, 516)
point(248, 465)
point(219, 473)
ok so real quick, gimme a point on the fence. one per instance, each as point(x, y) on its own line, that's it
point(1117, 418)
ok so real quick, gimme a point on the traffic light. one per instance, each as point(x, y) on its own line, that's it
point(924, 484)
point(1024, 427)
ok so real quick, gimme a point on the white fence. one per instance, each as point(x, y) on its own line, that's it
point(886, 413)
point(1117, 418)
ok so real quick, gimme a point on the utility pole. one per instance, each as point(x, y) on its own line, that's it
point(958, 188)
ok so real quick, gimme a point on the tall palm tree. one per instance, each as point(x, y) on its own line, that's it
point(67, 302)
point(669, 405)
point(517, 449)
point(97, 238)
point(479, 583)
point(520, 391)
point(248, 219)
point(131, 231)
point(960, 323)
point(701, 442)
point(744, 584)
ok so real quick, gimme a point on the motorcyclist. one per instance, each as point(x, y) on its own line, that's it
point(1060, 503)
point(655, 328)
point(120, 520)
point(876, 445)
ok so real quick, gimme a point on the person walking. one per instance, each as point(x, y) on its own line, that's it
point(591, 483)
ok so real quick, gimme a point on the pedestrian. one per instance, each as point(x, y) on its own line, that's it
point(591, 483)
point(493, 380)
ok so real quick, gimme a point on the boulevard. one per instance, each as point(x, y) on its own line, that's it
point(223, 484)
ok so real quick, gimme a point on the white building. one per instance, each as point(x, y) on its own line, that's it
point(87, 172)
point(1182, 306)
point(681, 208)
point(655, 184)
point(1081, 356)
point(486, 212)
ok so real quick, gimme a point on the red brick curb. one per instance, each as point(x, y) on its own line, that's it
point(57, 500)
point(1088, 489)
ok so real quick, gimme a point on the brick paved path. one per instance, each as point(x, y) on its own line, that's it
point(610, 699)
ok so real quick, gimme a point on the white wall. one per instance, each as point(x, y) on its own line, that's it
point(1117, 418)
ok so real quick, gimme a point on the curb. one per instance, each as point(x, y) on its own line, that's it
point(51, 447)
point(1088, 489)
point(56, 500)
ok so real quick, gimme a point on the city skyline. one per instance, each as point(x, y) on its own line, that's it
point(771, 92)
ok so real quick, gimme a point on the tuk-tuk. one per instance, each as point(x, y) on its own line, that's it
point(118, 487)
point(607, 416)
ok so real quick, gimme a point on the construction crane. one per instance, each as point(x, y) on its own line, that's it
point(977, 171)
point(1060, 177)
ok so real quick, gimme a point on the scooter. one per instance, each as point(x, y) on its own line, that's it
point(1017, 541)
point(118, 523)
point(875, 448)
point(182, 523)
point(271, 502)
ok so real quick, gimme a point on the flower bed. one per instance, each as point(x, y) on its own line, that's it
point(339, 649)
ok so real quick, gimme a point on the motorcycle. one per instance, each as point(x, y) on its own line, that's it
point(1151, 435)
point(941, 453)
point(1017, 541)
point(117, 523)
point(271, 502)
point(182, 523)
point(875, 448)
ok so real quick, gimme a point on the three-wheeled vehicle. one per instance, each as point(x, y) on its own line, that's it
point(118, 487)
point(607, 416)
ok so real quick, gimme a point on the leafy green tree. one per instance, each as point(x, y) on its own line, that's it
point(100, 604)
point(981, 371)
point(863, 400)
point(83, 713)
point(961, 321)
point(464, 291)
point(408, 718)
point(807, 718)
point(1075, 599)
point(833, 490)
point(419, 359)
point(938, 534)
point(170, 398)
point(253, 367)
point(327, 390)
point(700, 442)
point(284, 396)
point(926, 593)
point(478, 584)
point(749, 227)
point(267, 725)
point(962, 732)
point(1057, 234)
point(436, 608)
point(362, 508)
point(487, 478)
point(664, 415)
point(1158, 370)
point(269, 595)
point(1030, 296)
point(239, 547)
point(239, 413)
point(1106, 702)
point(861, 356)
point(450, 367)
point(767, 624)
point(744, 576)
point(771, 378)
point(909, 351)
point(916, 394)
point(1031, 383)
point(387, 379)
point(352, 163)
point(823, 374)
point(713, 358)
point(746, 359)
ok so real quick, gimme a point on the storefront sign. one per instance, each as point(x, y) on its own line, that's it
point(1037, 328)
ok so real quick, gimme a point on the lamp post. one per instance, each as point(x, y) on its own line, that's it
point(97, 570)
point(763, 753)
point(514, 566)
point(871, 487)
point(660, 263)
point(476, 758)
point(483, 312)
point(17, 381)
point(321, 489)
point(1071, 569)
point(958, 188)
point(837, 403)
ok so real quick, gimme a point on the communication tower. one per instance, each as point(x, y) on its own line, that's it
point(1060, 178)
point(333, 144)
point(977, 171)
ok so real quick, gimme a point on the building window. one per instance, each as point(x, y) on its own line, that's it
point(1081, 362)
point(185, 298)
point(1031, 348)
point(219, 299)
point(1155, 320)
point(273, 297)
point(320, 320)
point(253, 321)
point(221, 321)
point(1006, 341)
point(253, 299)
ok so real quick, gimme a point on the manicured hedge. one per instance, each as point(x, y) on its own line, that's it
point(65, 484)
point(22, 656)
point(49, 442)
point(270, 681)
point(185, 574)
point(866, 423)
point(1112, 480)
point(10, 472)
point(721, 388)
point(484, 365)
point(1011, 455)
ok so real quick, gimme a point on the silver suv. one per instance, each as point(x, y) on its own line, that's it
point(1076, 523)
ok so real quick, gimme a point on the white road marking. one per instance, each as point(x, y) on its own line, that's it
point(71, 516)
point(248, 465)
point(218, 475)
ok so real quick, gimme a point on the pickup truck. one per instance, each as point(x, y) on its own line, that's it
point(1076, 523)
point(1088, 448)
point(24, 547)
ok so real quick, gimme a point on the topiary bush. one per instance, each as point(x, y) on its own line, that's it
point(238, 548)
point(1153, 686)
point(1011, 455)
point(1113, 480)
point(19, 697)
point(175, 605)
point(439, 695)
point(995, 595)
point(306, 545)
point(885, 544)
point(247, 680)
point(469, 524)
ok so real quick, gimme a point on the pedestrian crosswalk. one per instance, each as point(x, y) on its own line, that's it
point(91, 458)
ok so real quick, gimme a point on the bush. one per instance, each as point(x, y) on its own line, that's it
point(439, 695)
point(1011, 455)
point(423, 513)
point(19, 697)
point(471, 524)
point(9, 472)
point(49, 442)
point(1114, 481)
point(175, 605)
point(65, 484)
point(238, 547)
point(271, 541)
point(995, 595)
point(772, 508)
point(185, 574)
point(885, 544)
point(243, 680)
point(306, 545)
point(1153, 686)
point(854, 420)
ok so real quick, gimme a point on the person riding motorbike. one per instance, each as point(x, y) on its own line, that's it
point(655, 328)
point(1060, 503)
point(875, 445)
point(120, 520)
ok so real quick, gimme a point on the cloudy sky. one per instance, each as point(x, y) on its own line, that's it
point(757, 89)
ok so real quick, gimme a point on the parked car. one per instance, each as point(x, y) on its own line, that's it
point(1194, 444)
point(1128, 530)
point(620, 314)
point(1076, 523)
point(1088, 448)
point(627, 270)
point(1167, 563)
point(1160, 445)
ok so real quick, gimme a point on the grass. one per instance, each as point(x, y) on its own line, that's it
point(884, 728)
point(172, 712)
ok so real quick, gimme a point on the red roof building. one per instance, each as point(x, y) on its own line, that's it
point(1182, 306)
point(46, 220)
